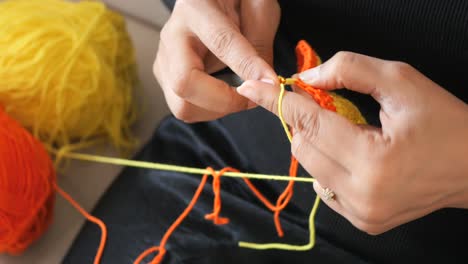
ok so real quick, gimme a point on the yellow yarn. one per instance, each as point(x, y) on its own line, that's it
point(347, 109)
point(280, 105)
point(67, 72)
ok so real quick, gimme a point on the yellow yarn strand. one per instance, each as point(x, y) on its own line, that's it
point(280, 246)
point(176, 168)
point(67, 72)
point(200, 171)
point(314, 209)
point(280, 106)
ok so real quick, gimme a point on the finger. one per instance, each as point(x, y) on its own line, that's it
point(330, 133)
point(223, 38)
point(211, 93)
point(361, 215)
point(183, 73)
point(322, 167)
point(300, 91)
point(336, 204)
point(349, 70)
point(343, 204)
point(181, 109)
point(259, 23)
point(366, 223)
point(296, 88)
point(187, 111)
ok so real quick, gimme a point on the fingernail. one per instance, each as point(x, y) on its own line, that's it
point(309, 75)
point(269, 81)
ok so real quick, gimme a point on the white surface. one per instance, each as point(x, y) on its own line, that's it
point(86, 182)
point(151, 11)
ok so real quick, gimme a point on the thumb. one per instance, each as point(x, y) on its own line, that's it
point(352, 71)
point(259, 23)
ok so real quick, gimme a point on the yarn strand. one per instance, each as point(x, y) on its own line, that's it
point(280, 246)
point(286, 196)
point(214, 216)
point(176, 168)
point(162, 245)
point(90, 218)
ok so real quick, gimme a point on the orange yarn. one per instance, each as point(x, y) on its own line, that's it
point(162, 245)
point(98, 222)
point(213, 216)
point(217, 199)
point(27, 186)
point(27, 178)
point(306, 59)
point(283, 199)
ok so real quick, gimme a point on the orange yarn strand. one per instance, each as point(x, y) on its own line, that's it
point(90, 218)
point(162, 245)
point(286, 196)
point(283, 199)
point(213, 216)
point(217, 197)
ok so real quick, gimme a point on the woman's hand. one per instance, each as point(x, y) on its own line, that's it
point(415, 164)
point(205, 36)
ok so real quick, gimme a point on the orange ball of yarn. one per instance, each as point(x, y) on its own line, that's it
point(27, 181)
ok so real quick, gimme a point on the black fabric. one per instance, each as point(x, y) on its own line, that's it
point(141, 205)
point(429, 34)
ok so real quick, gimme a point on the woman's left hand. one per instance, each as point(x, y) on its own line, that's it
point(382, 177)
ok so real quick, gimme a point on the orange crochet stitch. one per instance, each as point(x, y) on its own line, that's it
point(306, 59)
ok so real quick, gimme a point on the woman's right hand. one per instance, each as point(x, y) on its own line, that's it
point(205, 36)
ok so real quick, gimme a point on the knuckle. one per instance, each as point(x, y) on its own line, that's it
point(156, 69)
point(343, 61)
point(163, 35)
point(181, 86)
point(246, 67)
point(182, 112)
point(270, 105)
point(400, 70)
point(370, 208)
point(297, 146)
point(221, 42)
point(345, 56)
point(183, 3)
point(370, 213)
point(368, 228)
point(309, 123)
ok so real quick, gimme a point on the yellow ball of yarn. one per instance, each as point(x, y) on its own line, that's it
point(67, 72)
